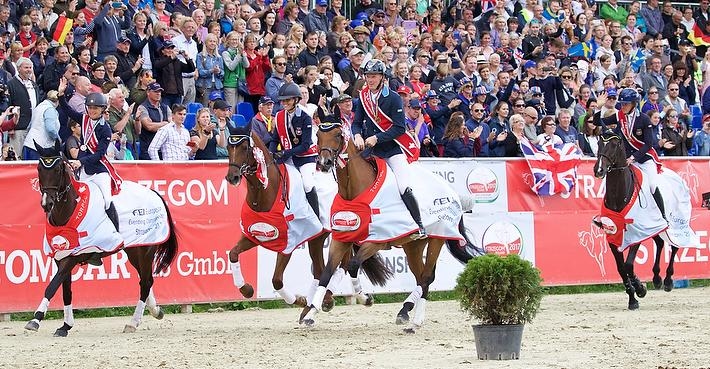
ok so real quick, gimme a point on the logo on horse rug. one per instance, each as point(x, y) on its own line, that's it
point(290, 221)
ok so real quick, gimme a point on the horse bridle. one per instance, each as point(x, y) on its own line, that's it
point(334, 152)
point(612, 167)
point(245, 168)
point(60, 190)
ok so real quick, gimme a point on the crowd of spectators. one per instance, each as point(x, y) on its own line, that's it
point(474, 81)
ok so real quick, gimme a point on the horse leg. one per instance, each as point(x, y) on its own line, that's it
point(142, 260)
point(63, 331)
point(668, 281)
point(414, 252)
point(639, 287)
point(64, 268)
point(315, 251)
point(335, 255)
point(245, 288)
point(277, 280)
point(428, 275)
point(658, 241)
point(619, 259)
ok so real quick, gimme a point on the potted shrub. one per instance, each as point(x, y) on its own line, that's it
point(502, 293)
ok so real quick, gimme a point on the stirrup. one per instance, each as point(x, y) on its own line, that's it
point(419, 234)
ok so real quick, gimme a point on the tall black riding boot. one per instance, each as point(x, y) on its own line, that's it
point(312, 198)
point(659, 201)
point(411, 203)
point(113, 215)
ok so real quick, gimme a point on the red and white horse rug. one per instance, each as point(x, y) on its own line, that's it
point(379, 215)
point(143, 221)
point(289, 223)
point(641, 219)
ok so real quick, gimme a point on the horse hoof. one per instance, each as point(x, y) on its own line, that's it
point(61, 333)
point(310, 323)
point(160, 314)
point(370, 301)
point(402, 319)
point(657, 282)
point(247, 291)
point(129, 329)
point(328, 305)
point(301, 301)
point(32, 325)
point(668, 287)
point(633, 305)
point(641, 291)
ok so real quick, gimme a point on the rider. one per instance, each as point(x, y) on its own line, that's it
point(95, 138)
point(379, 118)
point(638, 135)
point(293, 135)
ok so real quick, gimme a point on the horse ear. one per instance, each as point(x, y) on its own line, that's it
point(38, 148)
point(57, 145)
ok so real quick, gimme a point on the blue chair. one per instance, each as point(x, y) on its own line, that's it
point(193, 107)
point(239, 120)
point(697, 117)
point(190, 121)
point(245, 109)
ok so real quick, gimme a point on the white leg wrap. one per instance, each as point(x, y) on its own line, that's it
point(318, 297)
point(69, 315)
point(414, 296)
point(419, 313)
point(151, 303)
point(138, 313)
point(286, 295)
point(237, 274)
point(42, 308)
point(357, 288)
point(312, 291)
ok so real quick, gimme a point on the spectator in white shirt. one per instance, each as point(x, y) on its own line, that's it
point(172, 139)
point(185, 42)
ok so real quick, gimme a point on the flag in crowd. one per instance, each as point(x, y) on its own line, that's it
point(637, 60)
point(487, 5)
point(554, 169)
point(584, 49)
point(698, 37)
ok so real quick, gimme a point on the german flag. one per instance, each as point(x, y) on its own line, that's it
point(62, 27)
point(698, 37)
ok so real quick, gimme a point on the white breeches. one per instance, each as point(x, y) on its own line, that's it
point(650, 171)
point(308, 175)
point(400, 167)
point(102, 181)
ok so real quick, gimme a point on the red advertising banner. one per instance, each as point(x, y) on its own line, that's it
point(570, 250)
point(206, 211)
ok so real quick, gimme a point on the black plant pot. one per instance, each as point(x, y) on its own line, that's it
point(498, 342)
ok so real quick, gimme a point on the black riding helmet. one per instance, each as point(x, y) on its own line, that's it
point(374, 66)
point(289, 90)
point(96, 99)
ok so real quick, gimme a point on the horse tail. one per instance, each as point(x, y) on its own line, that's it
point(167, 250)
point(375, 269)
point(466, 252)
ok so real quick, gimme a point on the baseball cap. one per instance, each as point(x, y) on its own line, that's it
point(322, 2)
point(404, 90)
point(465, 81)
point(355, 51)
point(265, 100)
point(343, 98)
point(431, 94)
point(706, 118)
point(611, 92)
point(214, 95)
point(378, 12)
point(155, 86)
point(414, 103)
point(166, 45)
point(123, 39)
point(220, 104)
point(532, 102)
point(481, 59)
point(530, 64)
point(535, 90)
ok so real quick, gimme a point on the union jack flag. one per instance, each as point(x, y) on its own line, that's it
point(554, 169)
point(487, 5)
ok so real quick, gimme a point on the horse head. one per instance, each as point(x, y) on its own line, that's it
point(332, 142)
point(240, 149)
point(53, 175)
point(612, 154)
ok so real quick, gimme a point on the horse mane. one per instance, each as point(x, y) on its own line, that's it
point(357, 175)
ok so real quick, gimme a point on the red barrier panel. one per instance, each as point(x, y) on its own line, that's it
point(204, 206)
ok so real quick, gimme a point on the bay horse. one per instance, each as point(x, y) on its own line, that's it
point(355, 175)
point(59, 200)
point(621, 182)
point(241, 146)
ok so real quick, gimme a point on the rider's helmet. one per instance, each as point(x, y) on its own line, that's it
point(289, 90)
point(96, 99)
point(374, 66)
point(628, 96)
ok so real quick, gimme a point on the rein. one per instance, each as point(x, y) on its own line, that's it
point(60, 190)
point(249, 170)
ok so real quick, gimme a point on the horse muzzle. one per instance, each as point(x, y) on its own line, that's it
point(233, 178)
point(46, 203)
point(324, 164)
